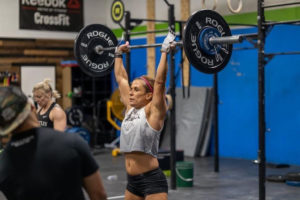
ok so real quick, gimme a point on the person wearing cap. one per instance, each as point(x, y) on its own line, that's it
point(49, 113)
point(146, 109)
point(42, 163)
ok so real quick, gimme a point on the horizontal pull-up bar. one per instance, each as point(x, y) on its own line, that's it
point(238, 24)
point(270, 23)
point(283, 53)
point(145, 32)
point(155, 20)
point(279, 5)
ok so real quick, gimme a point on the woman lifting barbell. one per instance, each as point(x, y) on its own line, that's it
point(146, 109)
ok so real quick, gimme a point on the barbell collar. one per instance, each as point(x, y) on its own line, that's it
point(99, 49)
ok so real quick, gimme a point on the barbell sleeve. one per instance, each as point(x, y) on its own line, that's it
point(226, 39)
point(99, 49)
point(231, 39)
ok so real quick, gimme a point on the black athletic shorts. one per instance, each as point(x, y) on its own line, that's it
point(150, 182)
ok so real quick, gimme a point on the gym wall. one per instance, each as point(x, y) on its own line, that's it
point(239, 101)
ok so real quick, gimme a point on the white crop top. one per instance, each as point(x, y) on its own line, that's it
point(137, 134)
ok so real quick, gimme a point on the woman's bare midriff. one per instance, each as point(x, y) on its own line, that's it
point(139, 162)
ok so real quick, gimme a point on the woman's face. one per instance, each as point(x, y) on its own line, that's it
point(138, 97)
point(41, 97)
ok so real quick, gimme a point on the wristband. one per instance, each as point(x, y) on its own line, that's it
point(164, 51)
point(117, 51)
point(117, 55)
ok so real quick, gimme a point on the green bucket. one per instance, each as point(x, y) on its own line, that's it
point(184, 174)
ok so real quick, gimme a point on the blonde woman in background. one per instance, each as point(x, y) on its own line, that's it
point(49, 113)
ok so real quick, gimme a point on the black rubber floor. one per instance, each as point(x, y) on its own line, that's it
point(236, 180)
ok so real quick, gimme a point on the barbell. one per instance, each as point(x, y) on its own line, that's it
point(207, 42)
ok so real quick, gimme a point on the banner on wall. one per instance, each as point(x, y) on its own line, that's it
point(51, 15)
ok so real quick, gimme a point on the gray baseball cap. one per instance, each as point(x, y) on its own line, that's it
point(14, 108)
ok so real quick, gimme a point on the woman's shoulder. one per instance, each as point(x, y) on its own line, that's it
point(57, 111)
point(57, 107)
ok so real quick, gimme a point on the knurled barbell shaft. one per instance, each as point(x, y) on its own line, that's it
point(99, 49)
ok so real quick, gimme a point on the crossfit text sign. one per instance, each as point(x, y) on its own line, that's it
point(52, 15)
